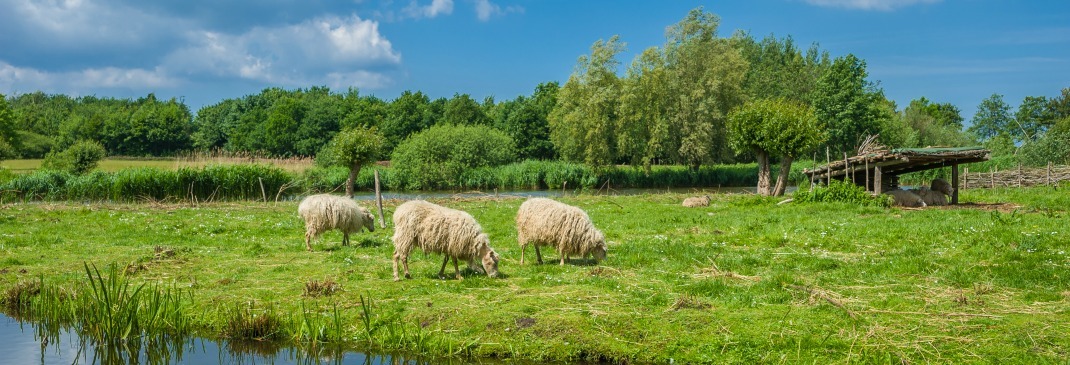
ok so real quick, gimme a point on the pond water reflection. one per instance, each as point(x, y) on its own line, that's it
point(29, 343)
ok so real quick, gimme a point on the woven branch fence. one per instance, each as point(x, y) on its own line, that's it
point(1020, 177)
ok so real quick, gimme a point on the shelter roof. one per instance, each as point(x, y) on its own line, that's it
point(901, 161)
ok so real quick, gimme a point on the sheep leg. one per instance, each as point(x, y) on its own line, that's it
point(404, 261)
point(564, 258)
point(396, 257)
point(523, 248)
point(442, 271)
point(345, 238)
point(456, 269)
point(308, 240)
point(537, 254)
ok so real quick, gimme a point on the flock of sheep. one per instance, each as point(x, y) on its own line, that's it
point(541, 222)
point(456, 234)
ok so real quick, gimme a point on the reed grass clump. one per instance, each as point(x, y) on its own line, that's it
point(321, 288)
point(246, 324)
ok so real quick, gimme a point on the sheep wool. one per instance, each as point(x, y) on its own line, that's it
point(545, 222)
point(437, 229)
point(325, 212)
point(697, 201)
point(906, 198)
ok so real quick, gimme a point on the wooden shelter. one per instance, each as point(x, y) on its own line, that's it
point(879, 171)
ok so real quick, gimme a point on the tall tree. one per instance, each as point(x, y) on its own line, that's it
point(848, 104)
point(9, 141)
point(779, 68)
point(582, 124)
point(993, 118)
point(643, 127)
point(774, 128)
point(352, 148)
point(409, 113)
point(1032, 119)
point(933, 124)
point(463, 110)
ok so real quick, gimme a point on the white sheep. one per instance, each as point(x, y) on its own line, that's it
point(325, 212)
point(437, 229)
point(937, 193)
point(697, 201)
point(906, 198)
point(545, 222)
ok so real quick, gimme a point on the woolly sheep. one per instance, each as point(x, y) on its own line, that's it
point(906, 198)
point(437, 229)
point(545, 222)
point(325, 212)
point(936, 194)
point(697, 201)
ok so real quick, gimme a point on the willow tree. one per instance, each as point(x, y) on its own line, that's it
point(774, 128)
point(582, 125)
point(352, 148)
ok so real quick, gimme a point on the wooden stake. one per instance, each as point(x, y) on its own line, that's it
point(379, 201)
point(955, 183)
point(877, 184)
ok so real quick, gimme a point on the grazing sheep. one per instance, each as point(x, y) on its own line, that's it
point(545, 222)
point(325, 212)
point(437, 229)
point(697, 201)
point(906, 198)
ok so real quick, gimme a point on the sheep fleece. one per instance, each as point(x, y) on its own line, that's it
point(567, 228)
point(436, 229)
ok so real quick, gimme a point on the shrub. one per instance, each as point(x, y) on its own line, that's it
point(437, 157)
point(77, 159)
point(844, 192)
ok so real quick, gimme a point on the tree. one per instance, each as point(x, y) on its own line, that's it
point(1032, 119)
point(848, 104)
point(352, 148)
point(438, 157)
point(78, 159)
point(992, 119)
point(409, 113)
point(582, 124)
point(9, 139)
point(778, 68)
point(463, 110)
point(933, 124)
point(774, 127)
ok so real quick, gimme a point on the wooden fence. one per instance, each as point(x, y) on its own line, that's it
point(1020, 177)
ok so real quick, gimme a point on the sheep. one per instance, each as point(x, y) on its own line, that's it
point(437, 229)
point(325, 212)
point(906, 198)
point(937, 193)
point(697, 201)
point(545, 222)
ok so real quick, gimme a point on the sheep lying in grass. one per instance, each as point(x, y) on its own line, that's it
point(697, 201)
point(437, 229)
point(545, 222)
point(906, 198)
point(325, 212)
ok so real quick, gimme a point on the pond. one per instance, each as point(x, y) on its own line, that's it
point(29, 343)
point(368, 195)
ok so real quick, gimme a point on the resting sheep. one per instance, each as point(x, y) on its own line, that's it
point(437, 229)
point(906, 198)
point(937, 193)
point(545, 222)
point(697, 201)
point(325, 212)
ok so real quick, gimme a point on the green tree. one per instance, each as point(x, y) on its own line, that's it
point(409, 113)
point(774, 128)
point(582, 124)
point(439, 156)
point(463, 110)
point(932, 124)
point(779, 68)
point(9, 139)
point(848, 104)
point(992, 119)
point(352, 148)
point(78, 159)
point(1032, 119)
point(643, 129)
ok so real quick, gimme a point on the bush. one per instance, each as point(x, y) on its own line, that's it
point(844, 192)
point(78, 159)
point(437, 157)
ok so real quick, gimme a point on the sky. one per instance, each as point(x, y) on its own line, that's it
point(205, 51)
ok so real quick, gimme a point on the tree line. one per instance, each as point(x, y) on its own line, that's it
point(674, 104)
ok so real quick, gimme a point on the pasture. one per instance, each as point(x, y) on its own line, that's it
point(744, 280)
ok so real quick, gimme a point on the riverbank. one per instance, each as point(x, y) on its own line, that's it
point(744, 280)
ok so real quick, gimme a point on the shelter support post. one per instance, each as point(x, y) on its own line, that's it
point(877, 180)
point(955, 183)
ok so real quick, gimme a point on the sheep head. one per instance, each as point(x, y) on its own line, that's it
point(942, 186)
point(489, 257)
point(369, 220)
point(599, 249)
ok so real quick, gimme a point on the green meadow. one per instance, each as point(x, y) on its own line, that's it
point(744, 280)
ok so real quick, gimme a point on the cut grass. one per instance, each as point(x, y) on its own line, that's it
point(743, 280)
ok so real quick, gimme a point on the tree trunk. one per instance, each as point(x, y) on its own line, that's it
point(763, 172)
point(782, 179)
point(352, 179)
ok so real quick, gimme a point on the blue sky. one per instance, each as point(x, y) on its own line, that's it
point(203, 51)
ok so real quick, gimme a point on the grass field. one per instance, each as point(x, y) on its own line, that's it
point(742, 281)
point(113, 164)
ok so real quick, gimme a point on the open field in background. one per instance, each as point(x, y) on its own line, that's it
point(744, 280)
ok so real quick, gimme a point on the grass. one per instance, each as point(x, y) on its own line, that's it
point(741, 281)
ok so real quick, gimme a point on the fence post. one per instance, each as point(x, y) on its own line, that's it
point(1019, 174)
point(379, 200)
point(965, 177)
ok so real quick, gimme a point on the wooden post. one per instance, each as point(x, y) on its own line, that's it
point(877, 184)
point(965, 177)
point(846, 167)
point(867, 175)
point(379, 201)
point(992, 175)
point(955, 183)
point(1019, 175)
point(263, 193)
point(1049, 173)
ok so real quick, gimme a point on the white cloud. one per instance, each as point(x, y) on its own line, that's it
point(882, 5)
point(298, 55)
point(486, 9)
point(14, 79)
point(436, 8)
point(87, 23)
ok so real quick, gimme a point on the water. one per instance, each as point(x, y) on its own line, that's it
point(29, 343)
point(366, 195)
